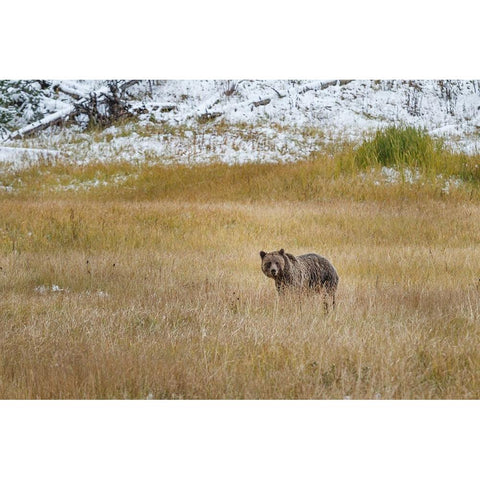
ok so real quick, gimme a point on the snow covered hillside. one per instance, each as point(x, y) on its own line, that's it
point(340, 107)
point(247, 120)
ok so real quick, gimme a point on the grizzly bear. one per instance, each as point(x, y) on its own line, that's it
point(309, 272)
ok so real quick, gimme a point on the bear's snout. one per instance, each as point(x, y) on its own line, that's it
point(273, 271)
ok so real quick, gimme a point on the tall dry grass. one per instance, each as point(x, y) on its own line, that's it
point(164, 298)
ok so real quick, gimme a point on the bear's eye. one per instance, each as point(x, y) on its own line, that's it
point(267, 265)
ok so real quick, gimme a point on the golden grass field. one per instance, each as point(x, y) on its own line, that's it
point(153, 289)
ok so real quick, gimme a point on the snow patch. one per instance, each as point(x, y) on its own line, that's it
point(392, 175)
point(76, 185)
point(17, 156)
point(451, 183)
point(43, 289)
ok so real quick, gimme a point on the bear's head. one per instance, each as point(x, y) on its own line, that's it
point(273, 263)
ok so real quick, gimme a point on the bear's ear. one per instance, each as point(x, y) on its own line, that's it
point(281, 251)
point(262, 253)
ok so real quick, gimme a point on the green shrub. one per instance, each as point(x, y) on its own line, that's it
point(399, 146)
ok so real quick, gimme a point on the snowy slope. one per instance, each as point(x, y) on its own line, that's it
point(279, 120)
point(350, 109)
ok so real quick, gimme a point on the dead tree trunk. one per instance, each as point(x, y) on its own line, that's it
point(48, 121)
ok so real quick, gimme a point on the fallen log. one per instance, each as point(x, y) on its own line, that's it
point(126, 85)
point(76, 94)
point(280, 95)
point(208, 116)
point(261, 103)
point(47, 121)
point(323, 85)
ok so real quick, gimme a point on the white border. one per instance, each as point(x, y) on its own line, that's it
point(250, 39)
point(239, 440)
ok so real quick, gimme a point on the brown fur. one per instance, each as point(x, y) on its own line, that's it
point(303, 273)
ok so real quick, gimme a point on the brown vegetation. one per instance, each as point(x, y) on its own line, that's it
point(164, 297)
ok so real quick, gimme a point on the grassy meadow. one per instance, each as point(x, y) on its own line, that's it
point(151, 287)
